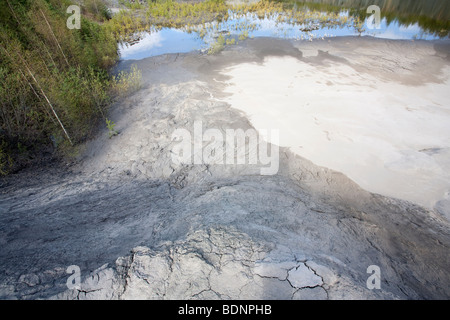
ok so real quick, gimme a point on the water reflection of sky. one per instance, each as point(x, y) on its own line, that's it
point(168, 40)
point(160, 42)
point(396, 31)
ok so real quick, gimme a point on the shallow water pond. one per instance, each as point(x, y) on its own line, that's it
point(305, 21)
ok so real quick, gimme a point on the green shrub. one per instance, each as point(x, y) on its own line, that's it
point(218, 45)
point(54, 81)
point(127, 82)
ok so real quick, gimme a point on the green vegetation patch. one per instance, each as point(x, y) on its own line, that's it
point(54, 82)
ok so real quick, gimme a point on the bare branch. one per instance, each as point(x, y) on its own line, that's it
point(57, 42)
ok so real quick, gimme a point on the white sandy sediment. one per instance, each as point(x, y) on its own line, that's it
point(390, 138)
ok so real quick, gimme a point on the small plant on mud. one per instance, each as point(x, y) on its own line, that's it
point(231, 41)
point(218, 45)
point(243, 35)
point(127, 82)
point(112, 132)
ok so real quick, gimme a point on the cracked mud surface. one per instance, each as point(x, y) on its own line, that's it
point(216, 263)
point(141, 227)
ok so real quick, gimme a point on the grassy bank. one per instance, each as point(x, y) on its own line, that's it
point(54, 81)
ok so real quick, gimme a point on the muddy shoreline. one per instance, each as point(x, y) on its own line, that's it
point(127, 214)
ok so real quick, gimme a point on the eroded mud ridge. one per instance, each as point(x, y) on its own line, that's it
point(140, 226)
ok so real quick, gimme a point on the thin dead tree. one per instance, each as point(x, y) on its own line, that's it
point(56, 40)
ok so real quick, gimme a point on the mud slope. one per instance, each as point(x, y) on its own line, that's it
point(140, 226)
